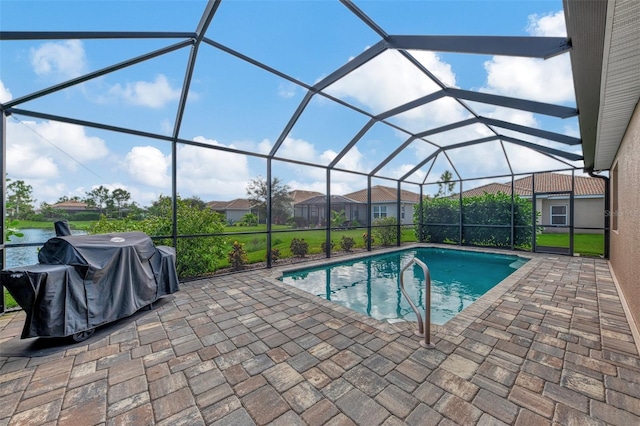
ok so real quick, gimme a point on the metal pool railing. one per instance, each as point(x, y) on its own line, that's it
point(424, 328)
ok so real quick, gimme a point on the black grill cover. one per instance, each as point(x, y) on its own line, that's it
point(84, 281)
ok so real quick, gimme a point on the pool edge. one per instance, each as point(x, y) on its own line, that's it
point(454, 327)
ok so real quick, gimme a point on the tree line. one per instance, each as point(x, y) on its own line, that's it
point(20, 203)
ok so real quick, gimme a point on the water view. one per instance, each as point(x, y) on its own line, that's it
point(21, 256)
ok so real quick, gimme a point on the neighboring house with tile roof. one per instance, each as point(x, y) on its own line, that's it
point(233, 210)
point(552, 200)
point(384, 202)
point(72, 207)
point(312, 211)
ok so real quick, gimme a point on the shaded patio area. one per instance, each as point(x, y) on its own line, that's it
point(551, 345)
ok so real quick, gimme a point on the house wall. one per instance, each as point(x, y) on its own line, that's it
point(392, 212)
point(625, 240)
point(589, 213)
point(236, 215)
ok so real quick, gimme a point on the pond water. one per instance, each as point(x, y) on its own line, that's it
point(21, 256)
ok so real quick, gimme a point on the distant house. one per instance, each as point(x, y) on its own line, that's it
point(74, 207)
point(552, 200)
point(384, 202)
point(313, 211)
point(232, 210)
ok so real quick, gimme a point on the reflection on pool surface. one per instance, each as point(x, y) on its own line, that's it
point(371, 285)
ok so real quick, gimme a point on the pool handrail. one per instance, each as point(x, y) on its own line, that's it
point(424, 328)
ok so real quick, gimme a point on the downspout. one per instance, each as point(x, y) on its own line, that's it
point(607, 212)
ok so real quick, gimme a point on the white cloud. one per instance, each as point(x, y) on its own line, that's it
point(64, 59)
point(149, 166)
point(536, 79)
point(45, 149)
point(5, 93)
point(353, 160)
point(287, 90)
point(207, 172)
point(529, 78)
point(153, 94)
point(549, 25)
point(298, 149)
point(390, 80)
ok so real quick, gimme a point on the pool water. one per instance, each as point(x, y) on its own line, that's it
point(371, 285)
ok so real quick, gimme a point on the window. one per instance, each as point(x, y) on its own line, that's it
point(559, 215)
point(379, 211)
point(402, 211)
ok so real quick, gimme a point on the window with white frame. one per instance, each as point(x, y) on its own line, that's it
point(379, 211)
point(559, 214)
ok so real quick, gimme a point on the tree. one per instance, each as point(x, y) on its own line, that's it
point(280, 199)
point(66, 198)
point(445, 186)
point(49, 212)
point(338, 218)
point(19, 199)
point(120, 197)
point(98, 197)
point(248, 219)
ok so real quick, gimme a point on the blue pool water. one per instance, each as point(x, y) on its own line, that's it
point(372, 285)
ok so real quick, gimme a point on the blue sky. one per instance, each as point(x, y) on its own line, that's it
point(233, 104)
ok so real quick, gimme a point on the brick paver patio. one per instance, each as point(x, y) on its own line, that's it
point(243, 349)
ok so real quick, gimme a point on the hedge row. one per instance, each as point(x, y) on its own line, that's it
point(441, 219)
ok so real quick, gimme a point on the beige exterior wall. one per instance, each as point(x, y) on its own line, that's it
point(589, 213)
point(625, 241)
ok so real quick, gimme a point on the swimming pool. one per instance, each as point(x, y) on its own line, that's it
point(371, 285)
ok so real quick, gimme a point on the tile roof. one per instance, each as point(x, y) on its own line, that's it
point(382, 194)
point(299, 195)
point(70, 205)
point(335, 199)
point(545, 182)
point(237, 204)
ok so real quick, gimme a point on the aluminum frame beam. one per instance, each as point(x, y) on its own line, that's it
point(88, 35)
point(98, 73)
point(543, 149)
point(544, 134)
point(528, 47)
point(515, 103)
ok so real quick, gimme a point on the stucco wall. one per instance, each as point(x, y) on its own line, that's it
point(625, 242)
point(588, 212)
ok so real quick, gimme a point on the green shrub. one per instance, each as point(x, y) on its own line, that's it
point(347, 243)
point(299, 247)
point(323, 246)
point(386, 230)
point(487, 209)
point(275, 254)
point(237, 256)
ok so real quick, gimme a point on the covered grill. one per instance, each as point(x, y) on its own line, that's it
point(85, 281)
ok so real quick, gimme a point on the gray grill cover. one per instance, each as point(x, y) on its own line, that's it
point(84, 281)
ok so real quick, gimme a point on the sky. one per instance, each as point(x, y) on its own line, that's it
point(243, 109)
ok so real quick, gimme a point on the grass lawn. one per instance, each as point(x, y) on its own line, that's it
point(9, 301)
point(74, 224)
point(585, 244)
point(256, 245)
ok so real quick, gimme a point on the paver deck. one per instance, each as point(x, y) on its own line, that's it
point(553, 346)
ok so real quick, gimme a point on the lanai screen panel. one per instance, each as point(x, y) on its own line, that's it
point(239, 79)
